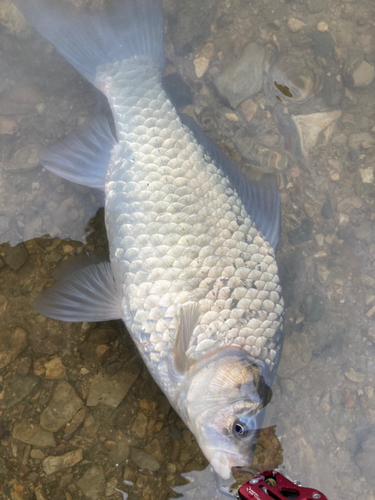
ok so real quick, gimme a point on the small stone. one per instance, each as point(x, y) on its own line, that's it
point(140, 425)
point(367, 175)
point(55, 370)
point(39, 367)
point(23, 160)
point(12, 343)
point(200, 66)
point(363, 75)
point(112, 390)
point(325, 406)
point(103, 335)
point(319, 238)
point(55, 464)
point(110, 487)
point(19, 390)
point(322, 26)
point(92, 482)
point(7, 127)
point(295, 24)
point(33, 434)
point(62, 407)
point(40, 492)
point(76, 421)
point(38, 454)
point(369, 391)
point(335, 177)
point(232, 117)
point(315, 6)
point(357, 140)
point(341, 434)
point(326, 210)
point(102, 352)
point(354, 376)
point(296, 355)
point(248, 108)
point(15, 257)
point(144, 461)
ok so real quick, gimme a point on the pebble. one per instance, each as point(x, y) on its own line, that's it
point(61, 408)
point(7, 127)
point(295, 24)
point(24, 160)
point(315, 6)
point(112, 390)
point(354, 376)
point(144, 460)
point(363, 75)
point(369, 391)
point(367, 175)
point(55, 370)
point(76, 421)
point(341, 434)
point(15, 257)
point(33, 434)
point(296, 355)
point(248, 108)
point(55, 464)
point(36, 453)
point(200, 66)
point(12, 343)
point(140, 425)
point(322, 26)
point(92, 482)
point(19, 390)
point(243, 78)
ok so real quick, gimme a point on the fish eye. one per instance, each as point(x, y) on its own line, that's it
point(239, 429)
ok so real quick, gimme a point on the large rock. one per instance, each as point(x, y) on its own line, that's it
point(12, 343)
point(55, 464)
point(243, 78)
point(92, 482)
point(33, 434)
point(62, 407)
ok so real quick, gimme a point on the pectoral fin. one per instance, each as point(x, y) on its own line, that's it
point(189, 317)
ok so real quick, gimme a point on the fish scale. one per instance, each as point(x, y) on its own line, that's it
point(179, 233)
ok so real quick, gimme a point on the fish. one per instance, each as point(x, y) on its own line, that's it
point(192, 270)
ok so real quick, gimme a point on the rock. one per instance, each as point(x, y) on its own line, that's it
point(243, 78)
point(326, 210)
point(12, 343)
point(354, 376)
point(140, 425)
point(102, 353)
point(54, 464)
point(110, 487)
point(40, 492)
point(367, 175)
point(38, 454)
point(341, 434)
point(62, 407)
point(322, 26)
point(295, 24)
point(200, 66)
point(144, 461)
point(24, 160)
point(7, 127)
point(296, 355)
point(76, 421)
point(316, 6)
point(15, 257)
point(103, 335)
point(363, 75)
point(55, 370)
point(357, 140)
point(313, 308)
point(33, 434)
point(121, 451)
point(248, 108)
point(365, 459)
point(112, 390)
point(190, 21)
point(92, 482)
point(302, 233)
point(21, 388)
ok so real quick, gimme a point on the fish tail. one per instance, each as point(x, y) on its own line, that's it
point(90, 39)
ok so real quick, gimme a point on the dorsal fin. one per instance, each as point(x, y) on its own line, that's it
point(260, 198)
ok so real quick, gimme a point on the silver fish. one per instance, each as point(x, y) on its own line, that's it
point(192, 242)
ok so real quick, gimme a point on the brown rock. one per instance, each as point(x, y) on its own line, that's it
point(7, 127)
point(33, 434)
point(248, 108)
point(112, 390)
point(54, 464)
point(55, 370)
point(12, 343)
point(62, 407)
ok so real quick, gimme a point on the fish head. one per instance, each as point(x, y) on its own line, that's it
point(223, 405)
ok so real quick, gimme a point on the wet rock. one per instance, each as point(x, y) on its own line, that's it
point(120, 452)
point(7, 127)
point(112, 390)
point(92, 482)
point(62, 407)
point(354, 376)
point(38, 454)
point(25, 159)
point(243, 78)
point(326, 210)
point(140, 425)
point(55, 464)
point(190, 22)
point(367, 175)
point(316, 6)
point(55, 369)
point(110, 487)
point(295, 24)
point(357, 140)
point(365, 459)
point(323, 45)
point(76, 421)
point(15, 257)
point(12, 343)
point(103, 335)
point(144, 461)
point(296, 355)
point(40, 492)
point(313, 308)
point(19, 390)
point(363, 75)
point(248, 108)
point(33, 434)
point(341, 434)
point(302, 233)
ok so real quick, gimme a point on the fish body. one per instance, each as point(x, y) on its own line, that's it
point(191, 271)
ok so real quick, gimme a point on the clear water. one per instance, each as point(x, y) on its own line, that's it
point(321, 420)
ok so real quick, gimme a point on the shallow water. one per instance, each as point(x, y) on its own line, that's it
point(322, 415)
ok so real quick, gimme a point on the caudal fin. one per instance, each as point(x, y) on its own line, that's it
point(88, 39)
